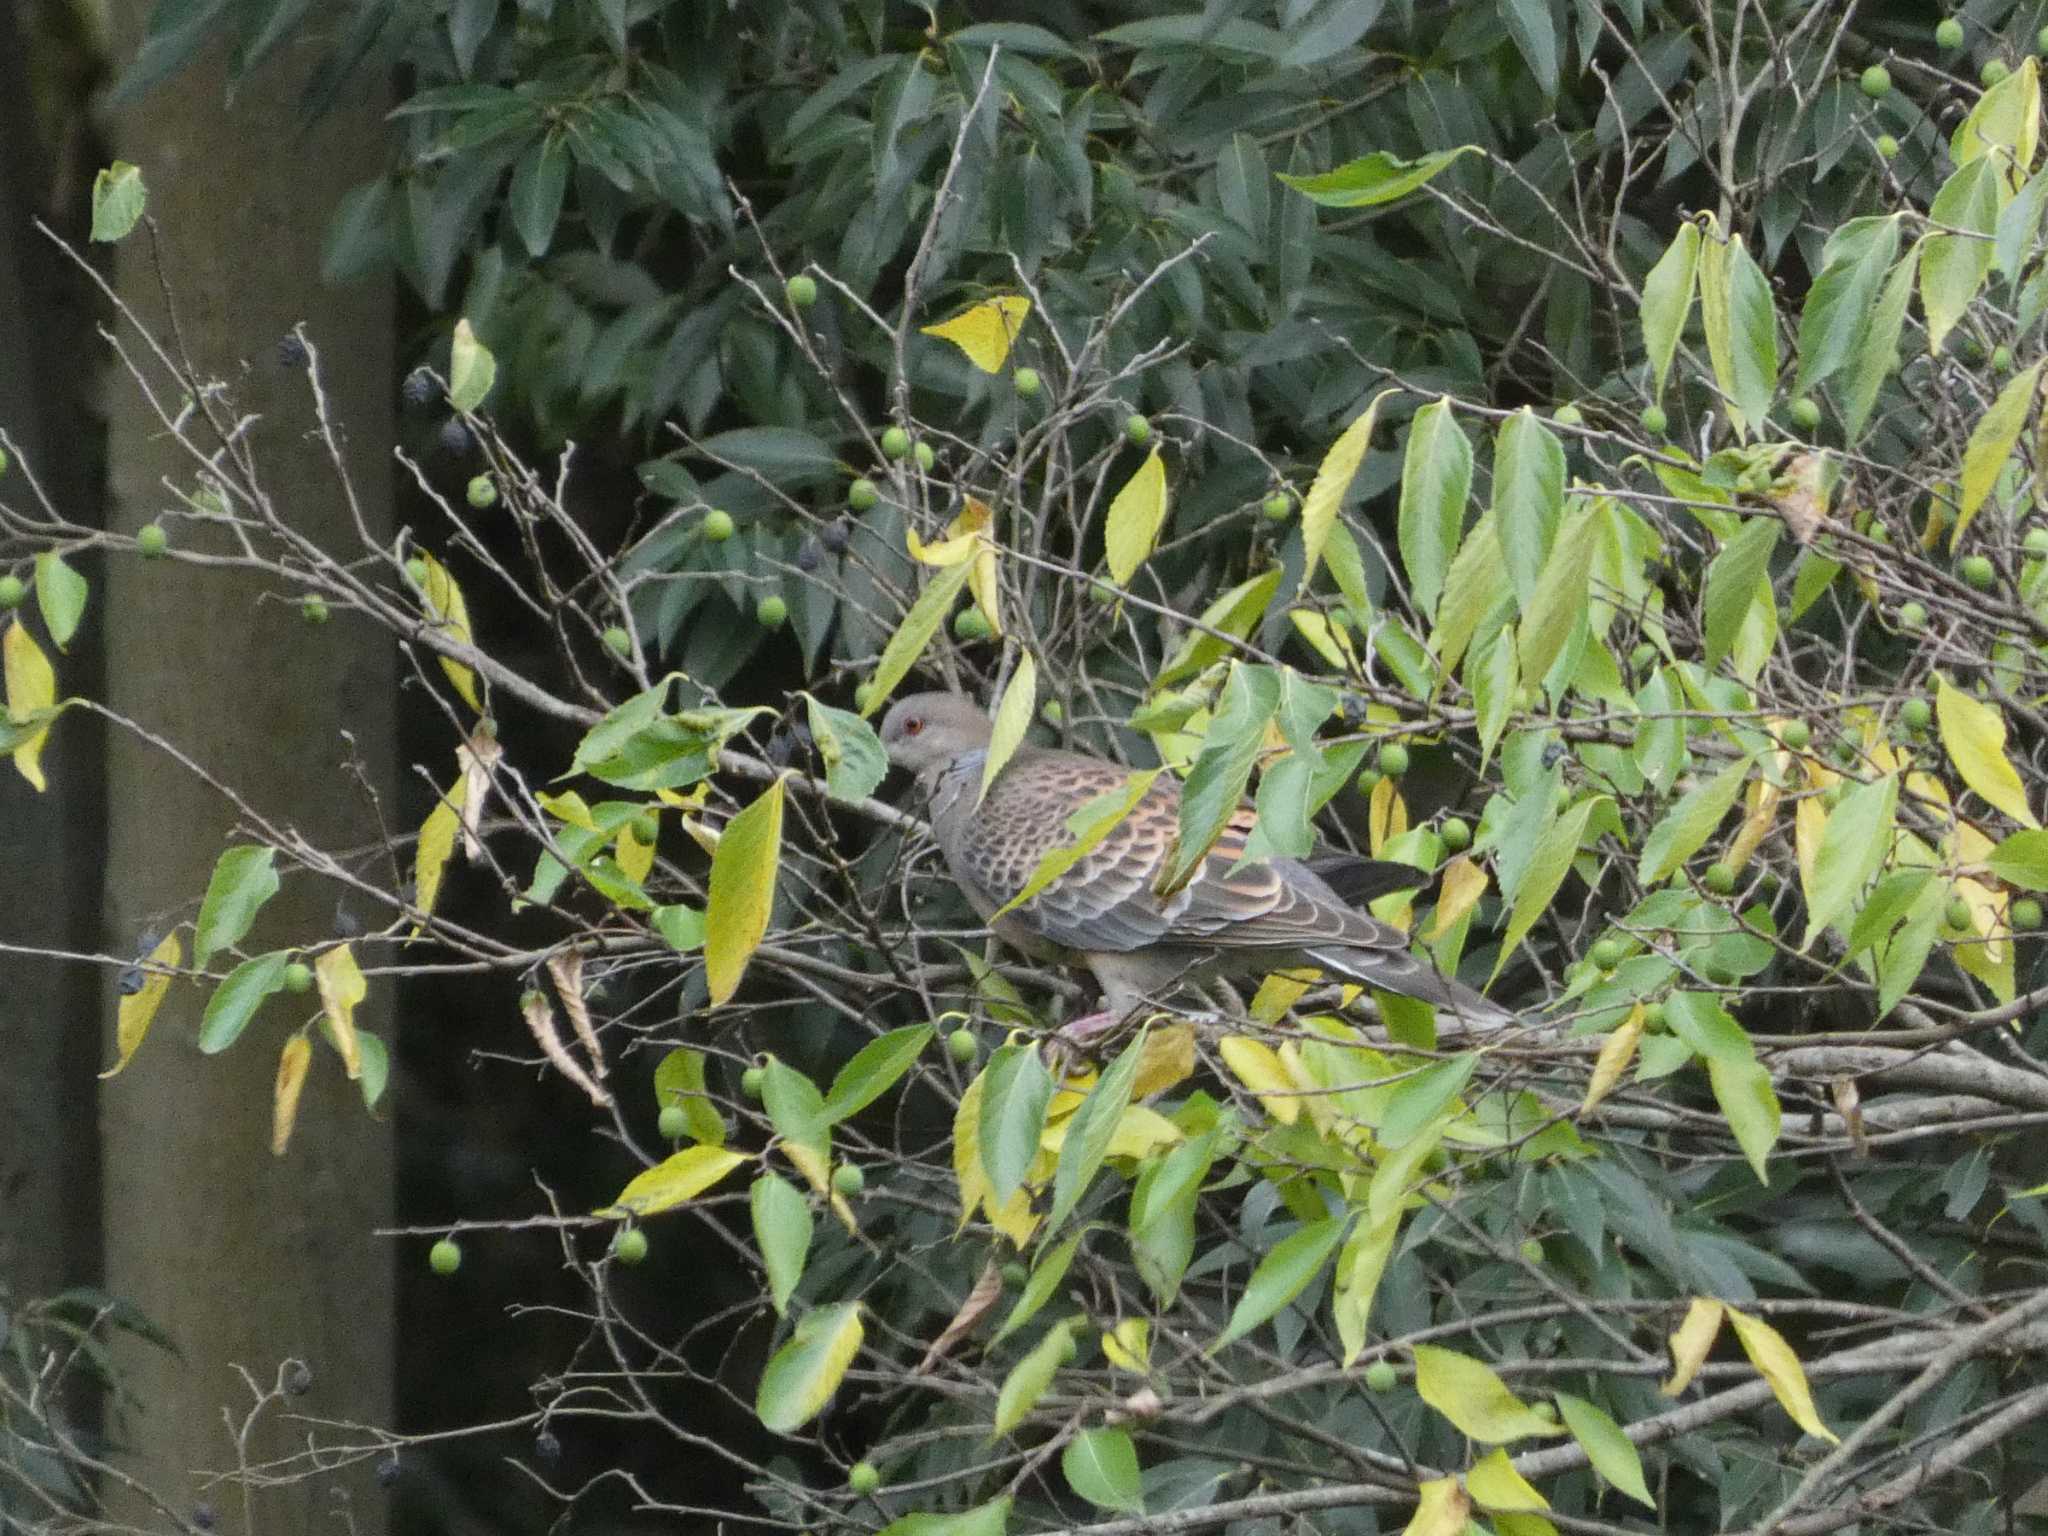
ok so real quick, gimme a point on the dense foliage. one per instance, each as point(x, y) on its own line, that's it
point(1586, 453)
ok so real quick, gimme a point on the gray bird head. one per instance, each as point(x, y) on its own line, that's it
point(929, 730)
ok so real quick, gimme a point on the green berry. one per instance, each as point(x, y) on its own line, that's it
point(1949, 34)
point(12, 590)
point(1916, 714)
point(1644, 655)
point(1532, 1250)
point(1138, 430)
point(445, 1257)
point(863, 697)
point(1719, 879)
point(618, 642)
point(2026, 914)
point(1887, 147)
point(629, 1245)
point(862, 495)
point(802, 290)
point(925, 456)
point(895, 443)
point(1653, 1015)
point(1609, 953)
point(2001, 358)
point(2036, 542)
point(674, 1123)
point(1278, 507)
point(718, 525)
point(771, 612)
point(753, 1082)
point(298, 977)
point(313, 608)
point(1834, 795)
point(416, 572)
point(1912, 615)
point(963, 1047)
point(1381, 1376)
point(1456, 833)
point(1566, 415)
point(972, 624)
point(482, 492)
point(1994, 70)
point(1027, 382)
point(1957, 914)
point(847, 1179)
point(1101, 592)
point(152, 540)
point(1978, 571)
point(1369, 781)
point(1796, 734)
point(1015, 1275)
point(1654, 420)
point(1876, 82)
point(1393, 759)
point(646, 829)
point(1053, 713)
point(1805, 413)
point(863, 1478)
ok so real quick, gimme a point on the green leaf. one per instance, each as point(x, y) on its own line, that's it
point(990, 1519)
point(682, 926)
point(1216, 784)
point(742, 892)
point(60, 594)
point(235, 1000)
point(1744, 1092)
point(1101, 1465)
point(1528, 496)
point(805, 1372)
point(2022, 860)
point(1374, 179)
point(471, 369)
point(1688, 824)
point(375, 1074)
point(118, 198)
point(243, 880)
point(1162, 1212)
point(1610, 1451)
point(676, 1180)
point(1235, 614)
point(1418, 1100)
point(1136, 515)
point(1472, 594)
point(874, 1070)
point(1877, 352)
point(1707, 1027)
point(1895, 896)
point(1326, 493)
point(1733, 582)
point(1852, 846)
point(1838, 306)
point(1282, 1275)
point(782, 1231)
point(1012, 720)
point(1029, 1377)
point(1529, 23)
point(855, 763)
point(915, 632)
point(1436, 477)
point(795, 1108)
point(1090, 1131)
point(1990, 447)
point(535, 199)
point(1953, 267)
point(1041, 1286)
point(679, 1084)
point(1016, 1089)
point(1558, 604)
point(1973, 735)
point(1474, 1398)
point(1741, 325)
point(1548, 865)
point(1667, 299)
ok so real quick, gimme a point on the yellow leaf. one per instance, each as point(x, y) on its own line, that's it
point(1135, 518)
point(1463, 884)
point(1328, 639)
point(1760, 814)
point(1360, 1266)
point(1615, 1055)
point(1259, 1068)
point(1014, 1220)
point(446, 607)
point(435, 847)
point(31, 686)
point(1386, 815)
point(1497, 1487)
point(292, 1063)
point(1472, 1396)
point(1990, 447)
point(1773, 1357)
point(1013, 718)
point(1442, 1508)
point(341, 986)
point(1973, 733)
point(1278, 993)
point(802, 1375)
point(635, 857)
point(1690, 1344)
point(742, 892)
point(674, 1181)
point(471, 368)
point(569, 808)
point(1128, 1346)
point(986, 331)
point(1166, 1058)
point(1140, 1132)
point(138, 1010)
point(1332, 483)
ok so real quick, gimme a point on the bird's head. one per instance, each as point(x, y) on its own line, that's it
point(929, 730)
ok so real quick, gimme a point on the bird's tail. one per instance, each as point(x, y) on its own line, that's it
point(1398, 971)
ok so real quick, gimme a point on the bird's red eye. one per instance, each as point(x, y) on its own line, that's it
point(912, 726)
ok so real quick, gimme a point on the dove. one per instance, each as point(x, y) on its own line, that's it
point(1275, 914)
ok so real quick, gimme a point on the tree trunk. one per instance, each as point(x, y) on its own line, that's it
point(244, 1258)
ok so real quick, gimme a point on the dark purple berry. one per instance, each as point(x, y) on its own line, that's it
point(547, 1450)
point(292, 353)
point(419, 388)
point(835, 536)
point(132, 980)
point(298, 1380)
point(454, 435)
point(387, 1471)
point(204, 1517)
point(808, 555)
